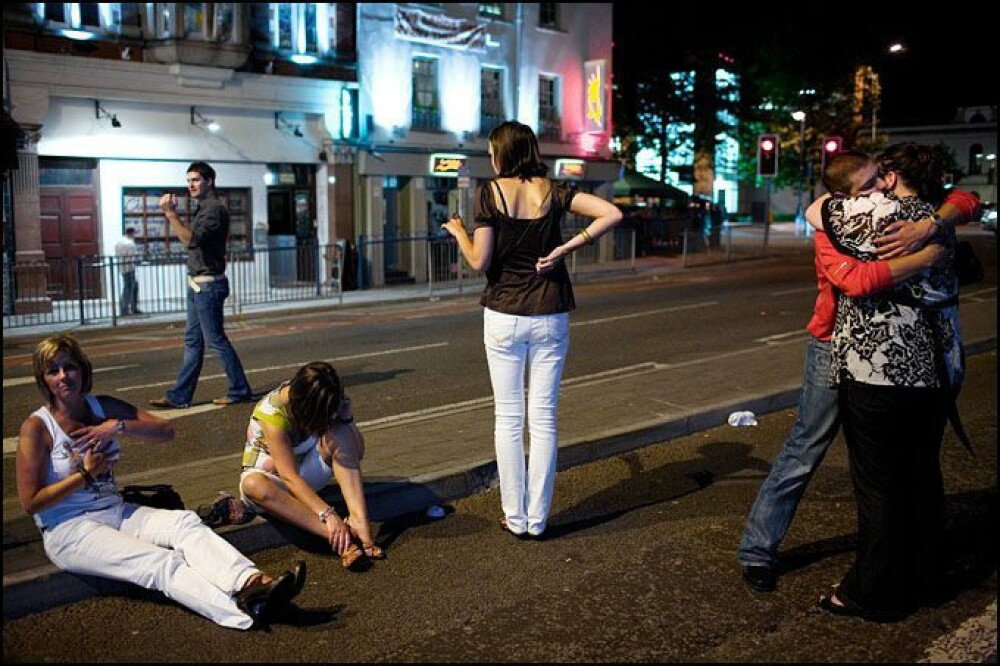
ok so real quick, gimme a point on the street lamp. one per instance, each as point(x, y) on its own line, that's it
point(801, 117)
point(875, 85)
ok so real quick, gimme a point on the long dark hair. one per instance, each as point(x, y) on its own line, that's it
point(314, 397)
point(921, 167)
point(515, 149)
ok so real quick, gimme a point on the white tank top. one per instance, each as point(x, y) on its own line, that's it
point(100, 495)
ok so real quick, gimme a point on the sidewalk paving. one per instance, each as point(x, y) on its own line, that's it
point(445, 454)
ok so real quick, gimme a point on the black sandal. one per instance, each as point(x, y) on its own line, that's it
point(838, 607)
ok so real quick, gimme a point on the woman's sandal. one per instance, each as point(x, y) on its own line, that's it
point(356, 556)
point(835, 606)
point(353, 557)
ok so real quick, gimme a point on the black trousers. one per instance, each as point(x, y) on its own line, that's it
point(894, 444)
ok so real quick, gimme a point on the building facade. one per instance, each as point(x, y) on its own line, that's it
point(972, 141)
point(324, 121)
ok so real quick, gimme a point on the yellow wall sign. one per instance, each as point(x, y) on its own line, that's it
point(570, 169)
point(595, 113)
point(448, 165)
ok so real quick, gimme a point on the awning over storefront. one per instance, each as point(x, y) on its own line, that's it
point(633, 185)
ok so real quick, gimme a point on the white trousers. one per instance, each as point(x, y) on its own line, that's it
point(533, 348)
point(169, 551)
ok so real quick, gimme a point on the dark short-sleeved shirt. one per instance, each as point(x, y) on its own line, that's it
point(209, 233)
point(512, 285)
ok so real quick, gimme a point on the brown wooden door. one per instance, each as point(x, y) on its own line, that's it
point(69, 231)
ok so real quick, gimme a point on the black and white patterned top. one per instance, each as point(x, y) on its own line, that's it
point(905, 336)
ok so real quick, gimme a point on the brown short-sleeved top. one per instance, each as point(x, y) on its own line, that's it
point(512, 285)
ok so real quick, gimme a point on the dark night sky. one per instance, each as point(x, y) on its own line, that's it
point(923, 86)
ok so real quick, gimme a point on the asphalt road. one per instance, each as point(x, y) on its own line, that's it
point(640, 566)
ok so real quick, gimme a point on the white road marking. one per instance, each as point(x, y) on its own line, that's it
point(784, 338)
point(297, 365)
point(645, 313)
point(21, 381)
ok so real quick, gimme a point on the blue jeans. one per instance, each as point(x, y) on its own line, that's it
point(536, 344)
point(803, 451)
point(204, 322)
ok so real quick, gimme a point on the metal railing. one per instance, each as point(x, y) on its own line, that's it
point(87, 290)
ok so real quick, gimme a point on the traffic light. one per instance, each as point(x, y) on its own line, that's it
point(767, 155)
point(831, 146)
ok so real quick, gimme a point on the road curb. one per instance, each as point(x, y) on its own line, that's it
point(41, 588)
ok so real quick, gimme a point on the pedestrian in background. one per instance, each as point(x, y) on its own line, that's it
point(818, 419)
point(208, 288)
point(301, 436)
point(518, 243)
point(66, 457)
point(125, 254)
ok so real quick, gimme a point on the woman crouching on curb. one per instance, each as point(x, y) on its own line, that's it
point(66, 455)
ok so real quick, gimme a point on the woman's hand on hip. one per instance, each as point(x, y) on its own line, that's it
point(550, 261)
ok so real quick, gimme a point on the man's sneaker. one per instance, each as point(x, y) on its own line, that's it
point(165, 403)
point(226, 510)
point(760, 578)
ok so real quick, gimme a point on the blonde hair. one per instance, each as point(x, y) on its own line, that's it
point(46, 351)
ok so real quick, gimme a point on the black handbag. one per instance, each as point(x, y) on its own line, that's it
point(157, 495)
point(968, 268)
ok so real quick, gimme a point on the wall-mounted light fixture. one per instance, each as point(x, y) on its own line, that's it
point(199, 120)
point(101, 112)
point(282, 124)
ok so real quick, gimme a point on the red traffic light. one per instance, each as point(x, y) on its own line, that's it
point(831, 146)
point(767, 155)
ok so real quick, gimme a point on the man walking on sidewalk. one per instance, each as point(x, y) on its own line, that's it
point(208, 288)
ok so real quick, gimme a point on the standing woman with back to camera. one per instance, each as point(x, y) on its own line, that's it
point(518, 243)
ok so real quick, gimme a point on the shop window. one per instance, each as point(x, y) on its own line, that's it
point(141, 210)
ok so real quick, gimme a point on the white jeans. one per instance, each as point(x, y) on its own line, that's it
point(169, 551)
point(538, 344)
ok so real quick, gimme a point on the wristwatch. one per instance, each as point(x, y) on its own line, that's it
point(121, 426)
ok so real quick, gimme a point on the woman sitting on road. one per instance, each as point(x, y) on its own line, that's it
point(301, 435)
point(66, 456)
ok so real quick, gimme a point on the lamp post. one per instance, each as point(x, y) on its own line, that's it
point(875, 85)
point(801, 117)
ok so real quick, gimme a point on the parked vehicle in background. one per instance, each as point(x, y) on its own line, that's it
point(989, 218)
